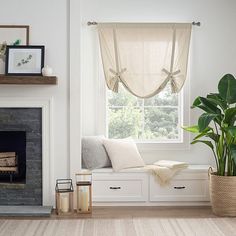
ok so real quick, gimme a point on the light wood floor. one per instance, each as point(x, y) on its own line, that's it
point(125, 221)
point(146, 212)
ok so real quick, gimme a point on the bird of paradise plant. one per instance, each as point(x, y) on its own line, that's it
point(216, 126)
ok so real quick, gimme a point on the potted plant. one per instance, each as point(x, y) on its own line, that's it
point(216, 128)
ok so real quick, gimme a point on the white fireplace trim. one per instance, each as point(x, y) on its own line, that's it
point(47, 155)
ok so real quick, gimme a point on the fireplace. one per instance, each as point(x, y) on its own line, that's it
point(12, 156)
point(21, 156)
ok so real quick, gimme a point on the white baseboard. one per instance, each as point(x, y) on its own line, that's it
point(151, 204)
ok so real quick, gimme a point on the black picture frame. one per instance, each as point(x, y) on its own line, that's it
point(24, 60)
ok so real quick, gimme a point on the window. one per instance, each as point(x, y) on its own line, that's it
point(157, 119)
point(154, 123)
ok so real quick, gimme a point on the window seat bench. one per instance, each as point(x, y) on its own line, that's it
point(138, 187)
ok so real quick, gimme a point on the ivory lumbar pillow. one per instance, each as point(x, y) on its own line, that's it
point(123, 153)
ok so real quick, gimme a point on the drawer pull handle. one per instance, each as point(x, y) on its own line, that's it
point(181, 187)
point(115, 187)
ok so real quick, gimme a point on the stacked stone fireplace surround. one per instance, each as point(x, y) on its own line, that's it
point(29, 190)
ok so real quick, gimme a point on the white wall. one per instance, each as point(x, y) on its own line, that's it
point(212, 53)
point(48, 22)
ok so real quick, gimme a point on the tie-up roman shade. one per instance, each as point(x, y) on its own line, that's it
point(144, 57)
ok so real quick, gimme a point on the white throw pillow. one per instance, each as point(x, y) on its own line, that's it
point(123, 153)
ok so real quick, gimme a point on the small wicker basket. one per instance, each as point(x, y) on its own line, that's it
point(223, 194)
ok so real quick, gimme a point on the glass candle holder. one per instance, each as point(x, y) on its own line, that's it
point(84, 192)
point(64, 196)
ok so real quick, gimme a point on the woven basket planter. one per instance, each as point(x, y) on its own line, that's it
point(223, 194)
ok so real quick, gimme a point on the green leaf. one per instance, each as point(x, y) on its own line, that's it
point(221, 147)
point(212, 108)
point(231, 130)
point(230, 116)
point(208, 143)
point(203, 133)
point(233, 152)
point(206, 105)
point(192, 129)
point(227, 88)
point(204, 120)
point(217, 100)
point(213, 136)
point(196, 102)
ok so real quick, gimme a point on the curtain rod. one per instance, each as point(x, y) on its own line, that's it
point(89, 23)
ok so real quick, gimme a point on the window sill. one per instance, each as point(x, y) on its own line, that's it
point(154, 146)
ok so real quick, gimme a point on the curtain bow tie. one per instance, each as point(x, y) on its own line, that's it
point(171, 74)
point(116, 78)
point(170, 77)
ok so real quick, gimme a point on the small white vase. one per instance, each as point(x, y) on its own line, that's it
point(47, 71)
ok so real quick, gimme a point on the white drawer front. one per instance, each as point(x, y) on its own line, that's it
point(180, 190)
point(120, 188)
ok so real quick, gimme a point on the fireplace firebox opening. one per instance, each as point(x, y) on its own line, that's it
point(12, 156)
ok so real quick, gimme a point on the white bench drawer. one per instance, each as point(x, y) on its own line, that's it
point(180, 190)
point(120, 187)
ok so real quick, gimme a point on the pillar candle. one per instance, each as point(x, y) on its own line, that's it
point(82, 199)
point(85, 200)
point(64, 204)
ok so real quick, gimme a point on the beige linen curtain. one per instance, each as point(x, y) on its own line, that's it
point(144, 57)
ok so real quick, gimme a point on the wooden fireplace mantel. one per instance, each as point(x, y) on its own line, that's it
point(30, 80)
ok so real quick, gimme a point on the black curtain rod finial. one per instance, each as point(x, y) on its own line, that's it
point(92, 23)
point(196, 23)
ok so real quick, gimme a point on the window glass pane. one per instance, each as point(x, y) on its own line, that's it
point(124, 122)
point(160, 123)
point(164, 98)
point(122, 98)
point(155, 119)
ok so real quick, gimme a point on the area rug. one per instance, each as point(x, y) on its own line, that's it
point(120, 227)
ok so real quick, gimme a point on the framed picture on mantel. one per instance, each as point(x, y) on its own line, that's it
point(11, 35)
point(24, 60)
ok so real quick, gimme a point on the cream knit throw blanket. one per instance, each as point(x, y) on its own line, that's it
point(165, 170)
